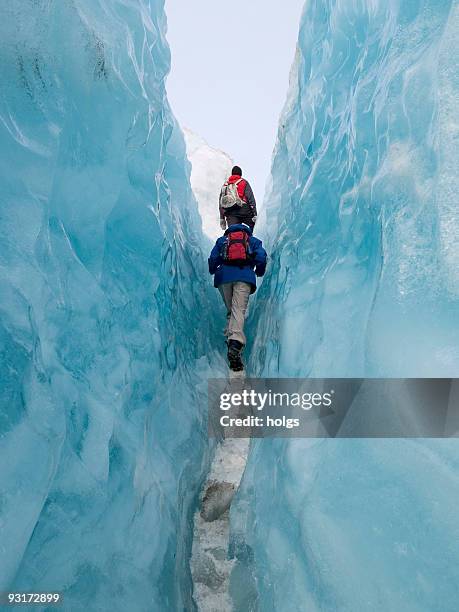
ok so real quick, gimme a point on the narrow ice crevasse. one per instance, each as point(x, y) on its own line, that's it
point(102, 426)
point(210, 565)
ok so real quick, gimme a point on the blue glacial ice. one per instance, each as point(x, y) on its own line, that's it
point(363, 228)
point(105, 329)
point(362, 215)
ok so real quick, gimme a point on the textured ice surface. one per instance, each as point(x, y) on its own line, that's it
point(210, 565)
point(346, 525)
point(105, 326)
point(363, 230)
point(363, 217)
point(209, 169)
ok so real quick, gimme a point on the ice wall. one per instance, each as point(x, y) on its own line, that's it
point(362, 216)
point(105, 329)
point(362, 225)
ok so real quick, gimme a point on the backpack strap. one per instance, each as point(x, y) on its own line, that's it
point(237, 183)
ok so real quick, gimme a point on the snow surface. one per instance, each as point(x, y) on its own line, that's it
point(209, 170)
point(210, 565)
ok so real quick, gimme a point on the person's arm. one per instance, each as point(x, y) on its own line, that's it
point(250, 198)
point(222, 215)
point(259, 256)
point(215, 259)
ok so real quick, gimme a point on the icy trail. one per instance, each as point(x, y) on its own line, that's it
point(210, 566)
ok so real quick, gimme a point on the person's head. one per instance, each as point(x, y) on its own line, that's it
point(236, 171)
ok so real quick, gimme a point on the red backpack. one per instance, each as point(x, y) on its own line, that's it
point(236, 250)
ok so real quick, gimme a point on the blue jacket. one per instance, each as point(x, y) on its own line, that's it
point(230, 274)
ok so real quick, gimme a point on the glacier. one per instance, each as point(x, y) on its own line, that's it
point(210, 168)
point(362, 219)
point(107, 326)
point(107, 338)
point(362, 224)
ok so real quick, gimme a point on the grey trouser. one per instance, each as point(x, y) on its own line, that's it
point(236, 297)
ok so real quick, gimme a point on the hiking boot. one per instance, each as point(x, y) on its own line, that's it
point(234, 355)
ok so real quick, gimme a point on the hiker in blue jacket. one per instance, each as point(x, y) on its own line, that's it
point(236, 260)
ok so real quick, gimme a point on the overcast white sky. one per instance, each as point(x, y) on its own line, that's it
point(230, 67)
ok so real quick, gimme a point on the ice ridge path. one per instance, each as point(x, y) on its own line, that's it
point(210, 566)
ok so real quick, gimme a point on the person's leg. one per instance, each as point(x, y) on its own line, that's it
point(240, 299)
point(226, 292)
point(232, 220)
